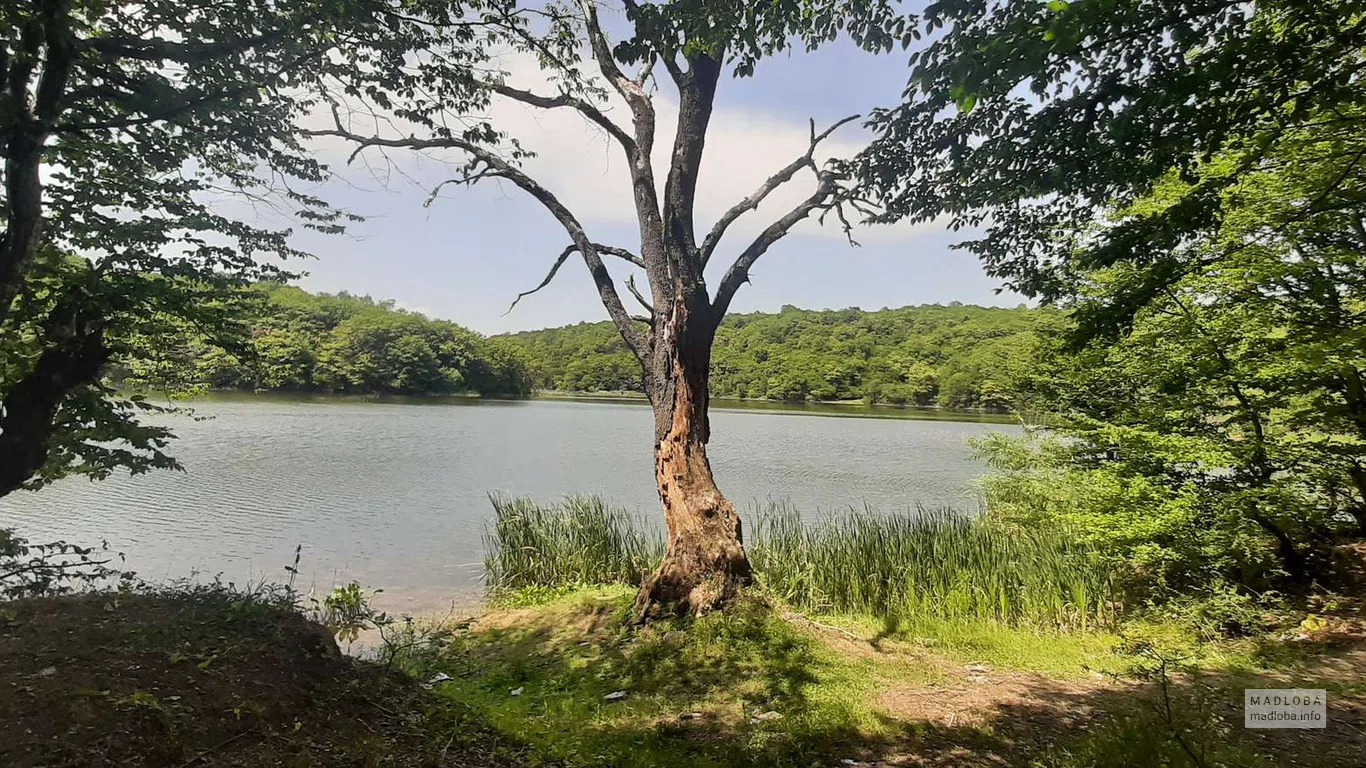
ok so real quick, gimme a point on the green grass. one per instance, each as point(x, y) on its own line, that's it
point(1062, 655)
point(756, 685)
point(731, 670)
point(934, 564)
point(930, 565)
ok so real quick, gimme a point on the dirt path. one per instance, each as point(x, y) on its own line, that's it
point(983, 716)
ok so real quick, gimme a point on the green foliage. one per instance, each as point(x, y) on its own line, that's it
point(295, 340)
point(347, 611)
point(1222, 437)
point(55, 568)
point(155, 164)
point(934, 565)
point(1025, 121)
point(1169, 539)
point(955, 356)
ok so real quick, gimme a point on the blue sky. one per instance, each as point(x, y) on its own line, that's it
point(468, 254)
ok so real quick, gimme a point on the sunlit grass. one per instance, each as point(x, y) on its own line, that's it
point(933, 565)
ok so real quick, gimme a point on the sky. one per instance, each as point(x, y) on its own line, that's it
point(465, 256)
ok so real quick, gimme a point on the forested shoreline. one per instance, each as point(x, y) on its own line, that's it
point(952, 356)
point(293, 340)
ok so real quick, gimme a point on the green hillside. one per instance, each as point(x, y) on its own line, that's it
point(955, 355)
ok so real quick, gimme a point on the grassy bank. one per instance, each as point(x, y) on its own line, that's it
point(872, 639)
point(935, 565)
point(554, 673)
point(760, 685)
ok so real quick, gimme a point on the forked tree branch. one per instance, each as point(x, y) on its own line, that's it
point(554, 268)
point(773, 182)
point(602, 54)
point(585, 108)
point(607, 290)
point(827, 195)
point(643, 188)
point(610, 250)
point(631, 286)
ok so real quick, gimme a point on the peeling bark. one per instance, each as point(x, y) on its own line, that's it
point(704, 564)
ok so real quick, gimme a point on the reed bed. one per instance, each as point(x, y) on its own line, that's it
point(581, 540)
point(932, 564)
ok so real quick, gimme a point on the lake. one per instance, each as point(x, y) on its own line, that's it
point(395, 494)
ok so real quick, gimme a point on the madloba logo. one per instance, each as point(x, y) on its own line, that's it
point(1285, 708)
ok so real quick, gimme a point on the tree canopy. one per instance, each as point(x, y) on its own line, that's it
point(153, 163)
point(1027, 123)
point(1185, 180)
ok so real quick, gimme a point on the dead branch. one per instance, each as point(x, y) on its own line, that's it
point(607, 290)
point(738, 274)
point(585, 108)
point(631, 286)
point(773, 182)
point(610, 250)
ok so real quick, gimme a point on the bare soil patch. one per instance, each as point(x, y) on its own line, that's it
point(210, 679)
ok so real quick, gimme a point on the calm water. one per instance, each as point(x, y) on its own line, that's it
point(395, 494)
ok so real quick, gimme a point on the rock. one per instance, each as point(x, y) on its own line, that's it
point(518, 690)
point(977, 669)
point(764, 717)
point(977, 679)
point(689, 715)
point(45, 672)
point(615, 696)
point(439, 677)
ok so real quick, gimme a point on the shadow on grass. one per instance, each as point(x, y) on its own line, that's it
point(749, 688)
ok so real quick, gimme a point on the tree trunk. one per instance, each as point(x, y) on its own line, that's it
point(28, 410)
point(704, 564)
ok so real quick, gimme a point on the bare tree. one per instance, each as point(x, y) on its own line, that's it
point(705, 562)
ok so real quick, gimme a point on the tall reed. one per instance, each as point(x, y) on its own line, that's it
point(932, 564)
point(936, 563)
point(581, 540)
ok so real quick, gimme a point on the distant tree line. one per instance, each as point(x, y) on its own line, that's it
point(293, 340)
point(955, 356)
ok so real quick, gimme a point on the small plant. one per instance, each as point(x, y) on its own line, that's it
point(1223, 611)
point(347, 612)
